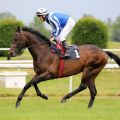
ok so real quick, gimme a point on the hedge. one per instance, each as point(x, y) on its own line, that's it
point(7, 30)
point(89, 30)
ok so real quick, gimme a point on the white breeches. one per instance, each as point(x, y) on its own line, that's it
point(65, 31)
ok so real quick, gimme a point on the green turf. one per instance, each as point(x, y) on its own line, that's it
point(107, 83)
point(34, 108)
point(106, 106)
point(113, 45)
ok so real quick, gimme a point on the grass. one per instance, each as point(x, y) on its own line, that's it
point(107, 83)
point(105, 108)
point(113, 45)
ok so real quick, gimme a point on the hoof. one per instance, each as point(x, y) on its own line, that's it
point(63, 100)
point(44, 97)
point(17, 104)
point(89, 106)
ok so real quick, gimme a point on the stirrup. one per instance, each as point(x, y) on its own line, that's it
point(67, 54)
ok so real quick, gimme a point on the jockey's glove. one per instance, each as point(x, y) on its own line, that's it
point(51, 38)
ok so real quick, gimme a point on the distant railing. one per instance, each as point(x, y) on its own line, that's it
point(112, 50)
point(29, 63)
point(4, 49)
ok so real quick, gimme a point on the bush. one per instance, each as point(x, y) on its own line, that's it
point(89, 30)
point(7, 30)
point(116, 30)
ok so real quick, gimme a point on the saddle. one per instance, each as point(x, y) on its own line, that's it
point(59, 50)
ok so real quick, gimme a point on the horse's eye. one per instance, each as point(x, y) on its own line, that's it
point(16, 39)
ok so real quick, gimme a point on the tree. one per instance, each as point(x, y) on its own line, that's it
point(7, 15)
point(109, 25)
point(116, 30)
point(39, 26)
point(7, 30)
point(89, 30)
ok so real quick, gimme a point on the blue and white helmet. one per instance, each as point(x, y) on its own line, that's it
point(42, 11)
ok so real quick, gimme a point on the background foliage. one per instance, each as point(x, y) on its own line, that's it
point(90, 30)
point(39, 26)
point(7, 15)
point(7, 29)
point(116, 30)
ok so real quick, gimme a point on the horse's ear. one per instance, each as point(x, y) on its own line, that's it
point(18, 29)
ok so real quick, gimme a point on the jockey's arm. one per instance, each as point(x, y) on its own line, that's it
point(56, 26)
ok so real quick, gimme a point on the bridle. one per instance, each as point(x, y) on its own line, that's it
point(19, 49)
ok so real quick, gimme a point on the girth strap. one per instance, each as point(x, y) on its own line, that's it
point(61, 68)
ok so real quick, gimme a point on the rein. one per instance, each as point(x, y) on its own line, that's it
point(15, 46)
point(34, 45)
point(20, 49)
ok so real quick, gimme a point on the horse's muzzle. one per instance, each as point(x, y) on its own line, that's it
point(11, 55)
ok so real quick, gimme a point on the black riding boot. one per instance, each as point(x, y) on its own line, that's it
point(66, 48)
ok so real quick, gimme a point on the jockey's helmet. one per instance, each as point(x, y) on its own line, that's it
point(41, 11)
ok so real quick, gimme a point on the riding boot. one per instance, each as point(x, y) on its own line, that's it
point(66, 48)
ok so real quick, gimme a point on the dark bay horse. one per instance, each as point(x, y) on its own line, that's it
point(47, 65)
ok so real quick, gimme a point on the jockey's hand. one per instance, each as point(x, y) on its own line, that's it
point(51, 38)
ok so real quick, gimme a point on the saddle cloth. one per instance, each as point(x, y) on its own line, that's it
point(59, 50)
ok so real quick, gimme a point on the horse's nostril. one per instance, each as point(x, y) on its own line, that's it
point(13, 54)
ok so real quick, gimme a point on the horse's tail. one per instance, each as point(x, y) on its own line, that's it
point(114, 57)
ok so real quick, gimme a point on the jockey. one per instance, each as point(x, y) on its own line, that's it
point(61, 23)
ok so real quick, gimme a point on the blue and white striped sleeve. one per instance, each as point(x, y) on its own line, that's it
point(56, 25)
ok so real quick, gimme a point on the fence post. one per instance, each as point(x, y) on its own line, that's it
point(70, 84)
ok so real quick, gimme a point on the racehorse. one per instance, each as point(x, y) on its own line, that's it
point(47, 64)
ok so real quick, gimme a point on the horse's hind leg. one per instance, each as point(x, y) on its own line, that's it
point(85, 77)
point(91, 84)
point(93, 91)
point(82, 87)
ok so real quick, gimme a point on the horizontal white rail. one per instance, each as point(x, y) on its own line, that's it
point(30, 65)
point(103, 49)
point(112, 50)
point(26, 61)
point(112, 66)
point(15, 61)
point(16, 65)
point(4, 49)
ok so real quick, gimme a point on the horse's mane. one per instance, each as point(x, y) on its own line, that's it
point(38, 34)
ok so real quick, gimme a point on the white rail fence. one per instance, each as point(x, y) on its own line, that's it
point(16, 64)
point(4, 49)
point(28, 64)
point(24, 64)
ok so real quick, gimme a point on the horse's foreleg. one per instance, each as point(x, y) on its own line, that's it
point(43, 77)
point(39, 92)
point(28, 85)
point(79, 89)
point(34, 81)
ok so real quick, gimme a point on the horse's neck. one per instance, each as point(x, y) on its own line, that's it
point(38, 49)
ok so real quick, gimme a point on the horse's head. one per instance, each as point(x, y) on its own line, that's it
point(26, 38)
point(18, 43)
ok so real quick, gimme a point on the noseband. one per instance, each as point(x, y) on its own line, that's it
point(20, 49)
